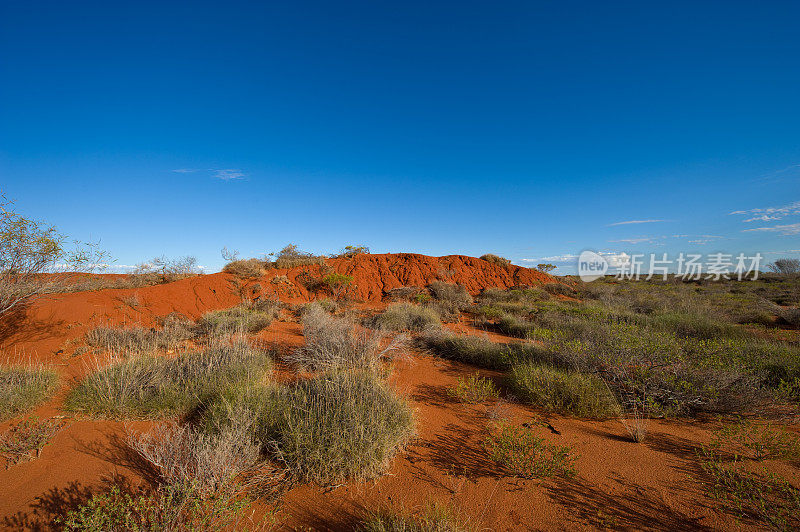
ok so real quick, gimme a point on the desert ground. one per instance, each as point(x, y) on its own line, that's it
point(474, 395)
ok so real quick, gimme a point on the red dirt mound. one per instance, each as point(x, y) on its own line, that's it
point(374, 275)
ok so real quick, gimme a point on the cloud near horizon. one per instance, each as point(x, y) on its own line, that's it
point(785, 230)
point(629, 222)
point(769, 214)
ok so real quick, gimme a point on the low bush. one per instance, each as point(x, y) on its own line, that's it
point(291, 257)
point(336, 343)
point(329, 428)
point(246, 268)
point(473, 389)
point(495, 259)
point(526, 455)
point(559, 289)
point(407, 317)
point(515, 295)
point(25, 440)
point(449, 300)
point(562, 391)
point(22, 388)
point(146, 386)
point(338, 284)
point(203, 482)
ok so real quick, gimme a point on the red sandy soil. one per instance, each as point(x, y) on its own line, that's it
point(620, 484)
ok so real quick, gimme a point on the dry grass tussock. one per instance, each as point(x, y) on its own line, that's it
point(24, 387)
point(151, 386)
point(338, 343)
point(406, 317)
point(336, 426)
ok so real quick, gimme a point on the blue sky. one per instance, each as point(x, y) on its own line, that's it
point(526, 129)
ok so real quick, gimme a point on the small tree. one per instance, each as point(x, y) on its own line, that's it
point(352, 251)
point(338, 283)
point(785, 266)
point(546, 267)
point(34, 259)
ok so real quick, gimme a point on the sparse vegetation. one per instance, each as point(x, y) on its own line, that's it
point(145, 386)
point(291, 256)
point(432, 518)
point(22, 388)
point(407, 317)
point(25, 439)
point(747, 492)
point(473, 389)
point(351, 251)
point(562, 391)
point(526, 455)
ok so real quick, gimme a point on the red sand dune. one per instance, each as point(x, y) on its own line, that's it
point(620, 484)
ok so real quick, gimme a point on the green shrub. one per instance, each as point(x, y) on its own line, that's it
point(338, 284)
point(407, 317)
point(526, 455)
point(329, 428)
point(147, 386)
point(562, 391)
point(473, 389)
point(22, 388)
point(479, 350)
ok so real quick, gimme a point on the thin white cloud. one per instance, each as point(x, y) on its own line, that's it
point(629, 222)
point(226, 174)
point(785, 230)
point(636, 240)
point(770, 214)
point(229, 174)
